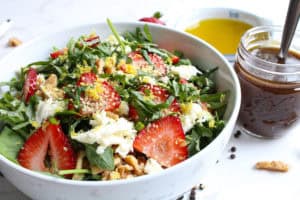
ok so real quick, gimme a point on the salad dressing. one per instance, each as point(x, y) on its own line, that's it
point(224, 34)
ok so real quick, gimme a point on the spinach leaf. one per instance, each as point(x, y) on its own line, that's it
point(10, 144)
point(104, 160)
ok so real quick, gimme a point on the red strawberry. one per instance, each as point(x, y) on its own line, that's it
point(109, 97)
point(133, 114)
point(57, 53)
point(87, 78)
point(138, 60)
point(163, 140)
point(61, 152)
point(93, 41)
point(183, 81)
point(159, 93)
point(30, 85)
point(33, 152)
point(152, 20)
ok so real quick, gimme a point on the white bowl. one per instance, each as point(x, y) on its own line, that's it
point(169, 183)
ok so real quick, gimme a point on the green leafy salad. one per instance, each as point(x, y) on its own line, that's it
point(106, 109)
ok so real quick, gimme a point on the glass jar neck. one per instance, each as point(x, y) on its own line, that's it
point(266, 38)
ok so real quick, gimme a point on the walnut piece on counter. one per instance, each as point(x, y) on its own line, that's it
point(14, 42)
point(272, 166)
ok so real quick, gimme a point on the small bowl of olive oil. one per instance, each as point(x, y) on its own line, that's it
point(220, 27)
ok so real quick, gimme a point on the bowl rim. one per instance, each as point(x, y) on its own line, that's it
point(231, 120)
point(210, 14)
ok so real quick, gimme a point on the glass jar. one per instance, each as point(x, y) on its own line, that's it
point(270, 86)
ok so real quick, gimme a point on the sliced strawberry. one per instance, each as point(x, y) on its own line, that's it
point(109, 98)
point(159, 63)
point(87, 78)
point(159, 93)
point(30, 85)
point(93, 41)
point(163, 140)
point(33, 152)
point(132, 113)
point(152, 20)
point(57, 53)
point(183, 81)
point(61, 152)
point(139, 61)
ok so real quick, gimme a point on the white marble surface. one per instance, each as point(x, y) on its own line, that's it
point(232, 179)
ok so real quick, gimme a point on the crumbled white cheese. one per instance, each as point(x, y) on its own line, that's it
point(113, 41)
point(107, 132)
point(123, 109)
point(148, 79)
point(152, 166)
point(185, 71)
point(48, 108)
point(40, 79)
point(194, 114)
point(164, 79)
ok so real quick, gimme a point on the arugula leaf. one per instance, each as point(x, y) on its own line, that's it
point(146, 56)
point(201, 135)
point(147, 109)
point(198, 137)
point(114, 31)
point(104, 160)
point(10, 144)
point(183, 92)
point(147, 33)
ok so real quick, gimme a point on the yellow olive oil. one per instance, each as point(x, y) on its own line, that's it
point(224, 34)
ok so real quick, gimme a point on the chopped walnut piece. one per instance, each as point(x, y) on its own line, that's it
point(100, 65)
point(272, 166)
point(14, 42)
point(112, 115)
point(96, 170)
point(51, 80)
point(131, 160)
point(124, 170)
point(49, 88)
point(110, 175)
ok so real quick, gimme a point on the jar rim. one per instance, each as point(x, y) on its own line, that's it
point(273, 28)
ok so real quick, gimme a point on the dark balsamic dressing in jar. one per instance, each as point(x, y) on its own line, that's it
point(270, 87)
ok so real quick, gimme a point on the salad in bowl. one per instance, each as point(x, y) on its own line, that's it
point(109, 108)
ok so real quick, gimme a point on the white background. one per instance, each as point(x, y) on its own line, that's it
point(232, 179)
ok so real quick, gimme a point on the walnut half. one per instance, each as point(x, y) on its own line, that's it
point(272, 166)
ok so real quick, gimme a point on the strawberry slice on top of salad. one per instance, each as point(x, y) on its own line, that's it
point(109, 109)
